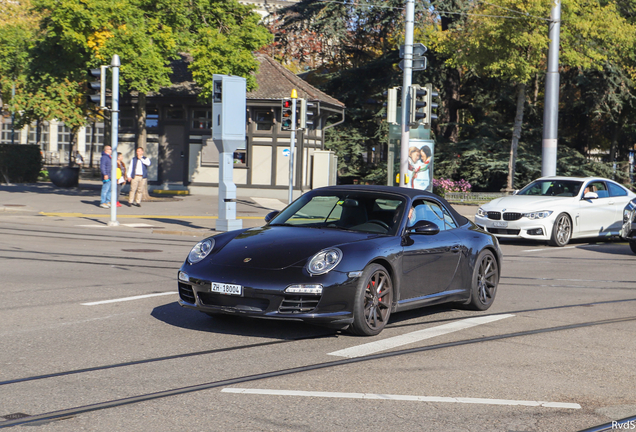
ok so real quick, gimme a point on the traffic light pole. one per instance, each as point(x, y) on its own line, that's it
point(406, 84)
point(114, 133)
point(292, 142)
point(551, 110)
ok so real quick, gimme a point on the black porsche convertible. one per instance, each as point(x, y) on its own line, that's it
point(345, 257)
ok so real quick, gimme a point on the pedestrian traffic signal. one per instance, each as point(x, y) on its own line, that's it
point(308, 114)
point(421, 105)
point(286, 114)
point(97, 89)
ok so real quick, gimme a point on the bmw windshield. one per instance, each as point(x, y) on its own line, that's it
point(367, 212)
point(547, 188)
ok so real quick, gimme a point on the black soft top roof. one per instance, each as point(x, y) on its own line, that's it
point(408, 193)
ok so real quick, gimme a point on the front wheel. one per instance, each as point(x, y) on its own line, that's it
point(372, 305)
point(484, 283)
point(632, 245)
point(561, 231)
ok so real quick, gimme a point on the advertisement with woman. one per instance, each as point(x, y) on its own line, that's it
point(420, 169)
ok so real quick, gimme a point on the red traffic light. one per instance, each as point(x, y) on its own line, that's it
point(287, 103)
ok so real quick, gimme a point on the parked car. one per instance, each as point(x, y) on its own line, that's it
point(628, 232)
point(345, 256)
point(558, 209)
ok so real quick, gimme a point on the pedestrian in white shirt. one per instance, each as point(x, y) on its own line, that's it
point(138, 177)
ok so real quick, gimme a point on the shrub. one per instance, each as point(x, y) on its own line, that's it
point(442, 186)
point(20, 163)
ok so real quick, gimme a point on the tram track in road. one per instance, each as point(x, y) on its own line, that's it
point(73, 411)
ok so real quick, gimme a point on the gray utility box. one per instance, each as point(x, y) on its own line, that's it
point(324, 169)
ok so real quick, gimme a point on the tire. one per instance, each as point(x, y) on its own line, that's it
point(561, 231)
point(372, 309)
point(632, 245)
point(484, 282)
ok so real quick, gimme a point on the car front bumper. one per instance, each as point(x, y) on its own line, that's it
point(264, 296)
point(537, 229)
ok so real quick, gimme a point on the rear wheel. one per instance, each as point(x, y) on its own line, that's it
point(561, 231)
point(632, 245)
point(372, 305)
point(485, 281)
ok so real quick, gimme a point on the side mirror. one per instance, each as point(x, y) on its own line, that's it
point(423, 227)
point(590, 195)
point(271, 215)
point(515, 192)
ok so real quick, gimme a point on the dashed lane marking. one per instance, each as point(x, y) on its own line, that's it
point(124, 299)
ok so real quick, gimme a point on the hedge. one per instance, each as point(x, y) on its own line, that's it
point(20, 163)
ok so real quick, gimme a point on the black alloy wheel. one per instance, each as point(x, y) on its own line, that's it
point(485, 281)
point(372, 305)
point(561, 231)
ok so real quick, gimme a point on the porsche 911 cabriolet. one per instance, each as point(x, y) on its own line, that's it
point(345, 257)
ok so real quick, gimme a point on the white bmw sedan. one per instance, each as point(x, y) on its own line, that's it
point(558, 209)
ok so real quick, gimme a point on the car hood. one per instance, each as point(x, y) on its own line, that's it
point(529, 203)
point(278, 247)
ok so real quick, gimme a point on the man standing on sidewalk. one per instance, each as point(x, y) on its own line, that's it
point(105, 165)
point(138, 177)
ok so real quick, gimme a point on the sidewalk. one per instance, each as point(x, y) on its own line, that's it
point(188, 215)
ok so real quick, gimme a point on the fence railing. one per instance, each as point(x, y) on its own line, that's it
point(473, 197)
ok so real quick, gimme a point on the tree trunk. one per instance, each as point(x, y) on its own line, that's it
point(453, 102)
point(516, 135)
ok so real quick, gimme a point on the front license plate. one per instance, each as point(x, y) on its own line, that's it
point(227, 289)
point(500, 224)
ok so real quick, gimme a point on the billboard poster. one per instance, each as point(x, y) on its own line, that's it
point(420, 169)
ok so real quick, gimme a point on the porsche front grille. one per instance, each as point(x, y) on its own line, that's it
point(298, 304)
point(186, 293)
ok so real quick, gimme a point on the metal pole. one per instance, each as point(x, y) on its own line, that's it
point(292, 141)
point(114, 133)
point(406, 84)
point(551, 110)
point(13, 113)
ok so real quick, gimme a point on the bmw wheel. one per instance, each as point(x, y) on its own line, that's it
point(484, 282)
point(561, 231)
point(372, 305)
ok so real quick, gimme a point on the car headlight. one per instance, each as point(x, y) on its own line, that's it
point(201, 250)
point(538, 214)
point(481, 212)
point(324, 261)
point(627, 215)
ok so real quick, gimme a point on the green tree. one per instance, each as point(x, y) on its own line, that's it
point(513, 48)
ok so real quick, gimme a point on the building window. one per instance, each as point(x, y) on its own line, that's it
point(94, 138)
point(264, 120)
point(44, 135)
point(202, 119)
point(152, 117)
point(6, 133)
point(240, 158)
point(127, 119)
point(63, 138)
point(175, 114)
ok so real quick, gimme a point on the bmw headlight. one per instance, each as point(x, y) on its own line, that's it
point(627, 215)
point(324, 261)
point(538, 214)
point(481, 212)
point(201, 250)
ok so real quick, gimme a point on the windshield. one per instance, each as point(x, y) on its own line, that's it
point(560, 188)
point(368, 212)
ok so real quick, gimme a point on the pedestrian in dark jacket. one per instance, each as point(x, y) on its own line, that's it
point(105, 166)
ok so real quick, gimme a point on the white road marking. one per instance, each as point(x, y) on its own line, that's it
point(404, 398)
point(128, 298)
point(548, 249)
point(137, 225)
point(92, 226)
point(270, 203)
point(416, 336)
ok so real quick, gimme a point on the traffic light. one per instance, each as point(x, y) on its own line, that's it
point(97, 89)
point(421, 105)
point(391, 105)
point(286, 114)
point(308, 114)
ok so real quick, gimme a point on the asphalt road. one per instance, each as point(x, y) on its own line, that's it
point(90, 329)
